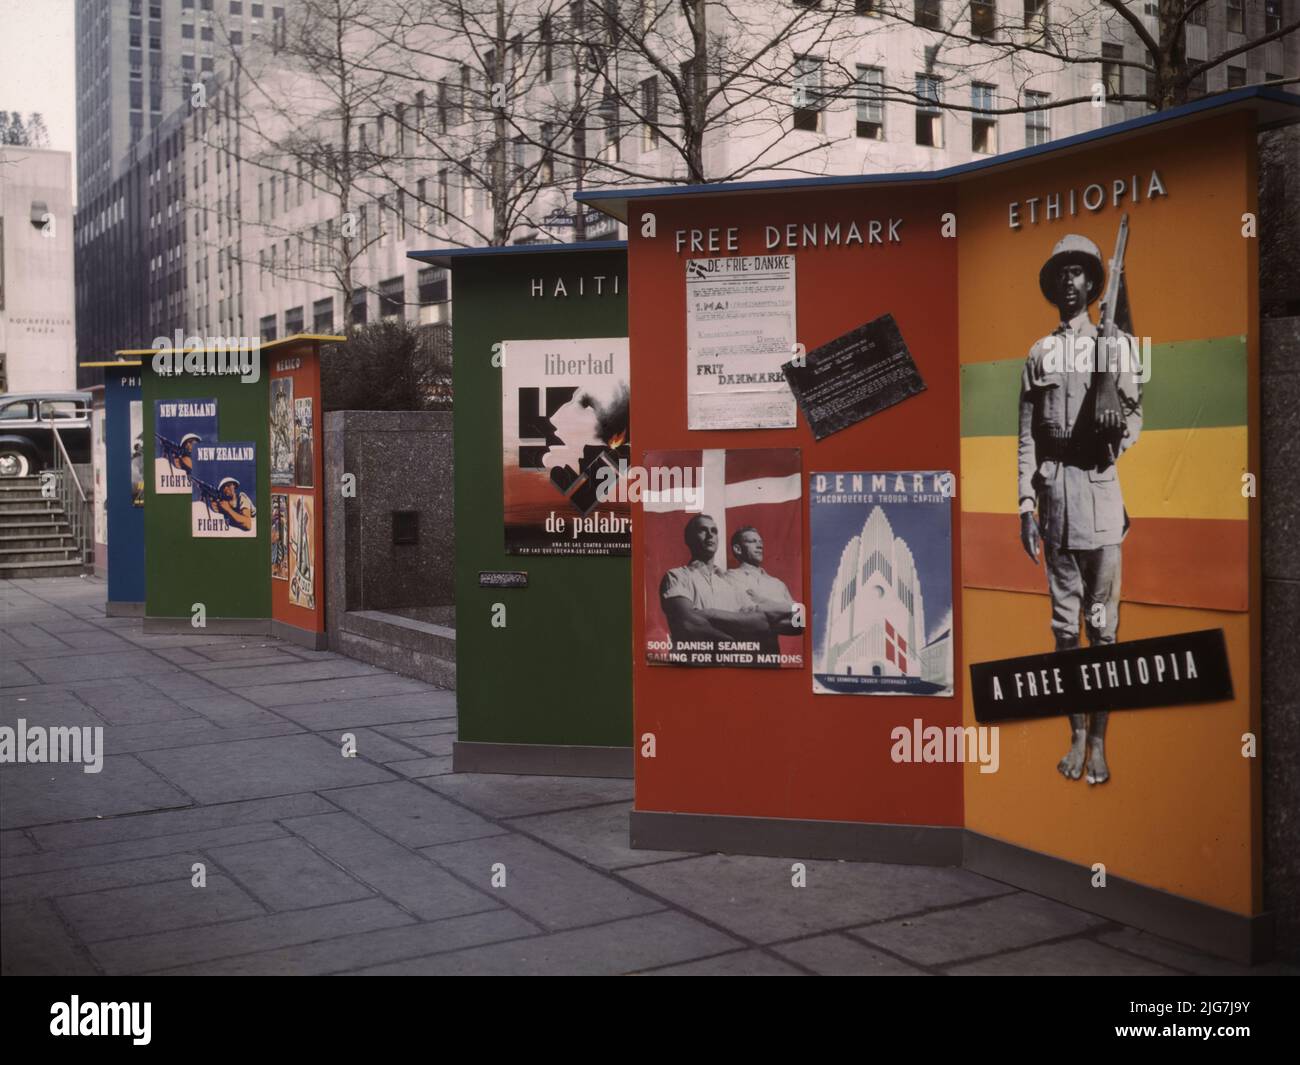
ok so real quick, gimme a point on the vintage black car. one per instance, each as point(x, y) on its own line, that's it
point(27, 423)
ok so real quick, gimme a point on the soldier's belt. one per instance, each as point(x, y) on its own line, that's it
point(1064, 451)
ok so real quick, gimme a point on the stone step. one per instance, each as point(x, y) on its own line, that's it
point(37, 554)
point(12, 571)
point(422, 665)
point(32, 527)
point(10, 494)
point(36, 540)
point(400, 631)
point(25, 508)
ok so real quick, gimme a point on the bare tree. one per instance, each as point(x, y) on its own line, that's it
point(690, 76)
point(492, 106)
point(307, 108)
point(1110, 38)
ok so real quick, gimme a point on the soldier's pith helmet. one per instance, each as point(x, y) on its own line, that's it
point(191, 436)
point(1073, 249)
point(225, 481)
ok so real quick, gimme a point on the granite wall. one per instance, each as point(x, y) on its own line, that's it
point(402, 461)
point(1279, 497)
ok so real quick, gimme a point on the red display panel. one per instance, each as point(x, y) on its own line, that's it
point(758, 742)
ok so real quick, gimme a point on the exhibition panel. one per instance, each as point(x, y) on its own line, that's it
point(1037, 371)
point(123, 480)
point(212, 535)
point(543, 633)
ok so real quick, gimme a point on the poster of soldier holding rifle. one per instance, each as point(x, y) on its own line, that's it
point(1080, 411)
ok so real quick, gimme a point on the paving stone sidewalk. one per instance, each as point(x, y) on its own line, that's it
point(226, 751)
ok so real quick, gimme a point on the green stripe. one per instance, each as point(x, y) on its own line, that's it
point(1193, 383)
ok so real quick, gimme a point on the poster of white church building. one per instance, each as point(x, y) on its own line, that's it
point(882, 582)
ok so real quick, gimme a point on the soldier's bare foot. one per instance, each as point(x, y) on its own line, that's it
point(1071, 766)
point(1098, 770)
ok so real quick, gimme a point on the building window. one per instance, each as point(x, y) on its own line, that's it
point(983, 18)
point(1035, 14)
point(1236, 77)
point(293, 321)
point(929, 119)
point(926, 13)
point(187, 30)
point(442, 106)
point(650, 114)
point(871, 103)
point(322, 315)
point(432, 282)
point(984, 125)
point(1038, 119)
point(1272, 15)
point(607, 116)
point(807, 92)
point(865, 7)
point(548, 48)
point(360, 310)
point(267, 327)
point(1197, 16)
point(1112, 74)
point(1236, 16)
point(392, 297)
point(466, 192)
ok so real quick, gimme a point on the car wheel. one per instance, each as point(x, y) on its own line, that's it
point(13, 463)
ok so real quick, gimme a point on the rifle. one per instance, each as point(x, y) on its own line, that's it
point(171, 450)
point(1105, 374)
point(208, 492)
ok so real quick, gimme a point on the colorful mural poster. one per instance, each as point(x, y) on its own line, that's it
point(280, 536)
point(303, 447)
point(302, 560)
point(223, 503)
point(724, 558)
point(180, 426)
point(882, 582)
point(282, 429)
point(566, 447)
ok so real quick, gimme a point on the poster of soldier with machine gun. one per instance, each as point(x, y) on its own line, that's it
point(224, 489)
point(180, 426)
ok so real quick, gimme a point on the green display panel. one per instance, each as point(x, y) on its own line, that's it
point(228, 576)
point(558, 672)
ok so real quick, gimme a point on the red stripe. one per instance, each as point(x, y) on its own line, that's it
point(747, 464)
point(1196, 562)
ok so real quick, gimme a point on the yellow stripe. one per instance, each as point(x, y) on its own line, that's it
point(1169, 473)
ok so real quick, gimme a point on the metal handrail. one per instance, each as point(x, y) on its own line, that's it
point(67, 461)
point(75, 509)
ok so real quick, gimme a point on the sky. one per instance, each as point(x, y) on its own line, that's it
point(38, 69)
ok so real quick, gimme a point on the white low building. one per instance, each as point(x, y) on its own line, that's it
point(37, 316)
